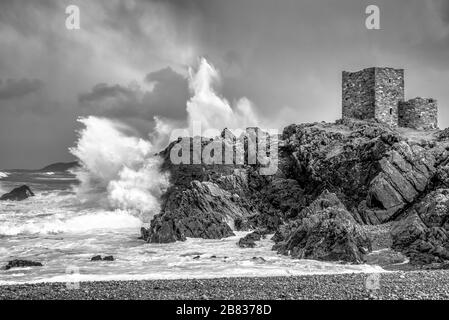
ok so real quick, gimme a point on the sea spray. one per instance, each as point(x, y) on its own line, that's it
point(118, 170)
point(2, 176)
point(212, 111)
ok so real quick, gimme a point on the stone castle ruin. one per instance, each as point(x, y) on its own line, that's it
point(378, 93)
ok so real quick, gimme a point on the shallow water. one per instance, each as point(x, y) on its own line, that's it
point(62, 233)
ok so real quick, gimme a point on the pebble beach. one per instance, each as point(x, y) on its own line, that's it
point(396, 285)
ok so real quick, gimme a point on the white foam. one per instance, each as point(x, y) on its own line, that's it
point(137, 261)
point(211, 110)
point(118, 170)
point(54, 224)
point(3, 175)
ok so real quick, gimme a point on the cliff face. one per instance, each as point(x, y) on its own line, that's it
point(376, 171)
point(377, 174)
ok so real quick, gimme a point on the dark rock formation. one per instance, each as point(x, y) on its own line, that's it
point(18, 194)
point(209, 201)
point(22, 264)
point(375, 170)
point(99, 258)
point(324, 231)
point(249, 241)
point(424, 234)
point(199, 211)
point(375, 174)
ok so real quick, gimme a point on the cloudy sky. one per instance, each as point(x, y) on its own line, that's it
point(130, 59)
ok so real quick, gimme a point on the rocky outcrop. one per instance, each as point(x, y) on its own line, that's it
point(249, 241)
point(18, 194)
point(424, 234)
point(21, 264)
point(324, 231)
point(210, 201)
point(375, 175)
point(202, 210)
point(376, 171)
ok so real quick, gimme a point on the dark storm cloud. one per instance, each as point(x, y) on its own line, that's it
point(285, 56)
point(167, 98)
point(25, 96)
point(102, 91)
point(169, 95)
point(16, 88)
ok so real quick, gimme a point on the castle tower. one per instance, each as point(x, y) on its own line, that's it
point(373, 93)
point(418, 113)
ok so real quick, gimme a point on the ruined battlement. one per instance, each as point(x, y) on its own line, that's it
point(378, 93)
point(419, 113)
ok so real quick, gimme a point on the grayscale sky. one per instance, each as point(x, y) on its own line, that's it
point(129, 61)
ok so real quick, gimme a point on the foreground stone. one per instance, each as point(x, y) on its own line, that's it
point(18, 194)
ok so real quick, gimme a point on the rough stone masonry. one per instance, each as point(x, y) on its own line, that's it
point(378, 93)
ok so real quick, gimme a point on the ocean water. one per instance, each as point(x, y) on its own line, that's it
point(63, 233)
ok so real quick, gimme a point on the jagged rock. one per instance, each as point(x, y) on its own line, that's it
point(249, 241)
point(324, 201)
point(424, 234)
point(242, 224)
point(22, 264)
point(327, 231)
point(18, 194)
point(374, 174)
point(209, 201)
point(99, 258)
point(96, 258)
point(199, 212)
point(375, 170)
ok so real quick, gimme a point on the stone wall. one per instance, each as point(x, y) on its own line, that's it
point(419, 113)
point(358, 94)
point(389, 91)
